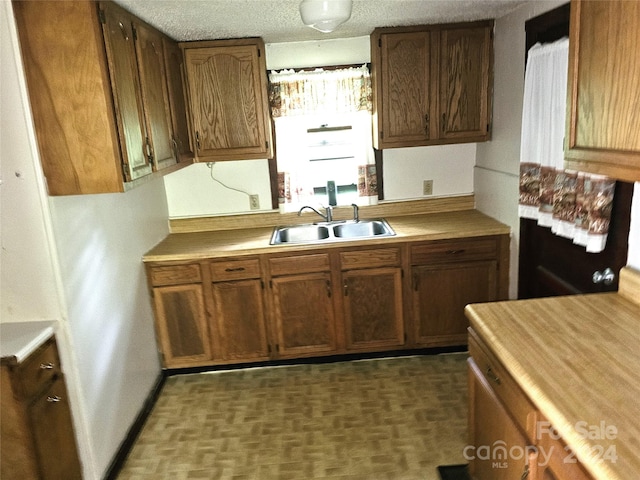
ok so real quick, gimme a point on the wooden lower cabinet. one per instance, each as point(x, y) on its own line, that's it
point(372, 300)
point(239, 331)
point(494, 434)
point(182, 327)
point(37, 440)
point(323, 301)
point(303, 314)
point(508, 437)
point(445, 277)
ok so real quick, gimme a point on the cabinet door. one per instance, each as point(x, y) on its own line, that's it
point(304, 315)
point(603, 130)
point(440, 293)
point(123, 69)
point(54, 439)
point(493, 435)
point(174, 62)
point(150, 51)
point(227, 96)
point(182, 325)
point(465, 56)
point(239, 320)
point(373, 308)
point(405, 96)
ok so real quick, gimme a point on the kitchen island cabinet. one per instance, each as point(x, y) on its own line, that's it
point(339, 297)
point(432, 84)
point(100, 111)
point(573, 360)
point(37, 438)
point(603, 118)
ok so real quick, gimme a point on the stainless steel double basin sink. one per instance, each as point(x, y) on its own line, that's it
point(331, 231)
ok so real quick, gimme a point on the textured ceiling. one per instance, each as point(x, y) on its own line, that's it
point(279, 21)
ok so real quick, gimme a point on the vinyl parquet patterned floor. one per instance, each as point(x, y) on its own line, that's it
point(394, 418)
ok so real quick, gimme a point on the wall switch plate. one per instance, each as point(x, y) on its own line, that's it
point(254, 202)
point(427, 187)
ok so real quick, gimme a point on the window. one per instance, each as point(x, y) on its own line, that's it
point(323, 137)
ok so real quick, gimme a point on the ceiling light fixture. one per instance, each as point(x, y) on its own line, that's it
point(325, 15)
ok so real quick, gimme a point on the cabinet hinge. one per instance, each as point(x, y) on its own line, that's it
point(266, 145)
point(380, 42)
point(134, 33)
point(259, 53)
point(262, 284)
point(101, 16)
point(381, 134)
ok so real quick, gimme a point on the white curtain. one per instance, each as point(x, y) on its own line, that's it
point(573, 204)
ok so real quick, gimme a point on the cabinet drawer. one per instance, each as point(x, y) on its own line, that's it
point(38, 369)
point(318, 262)
point(518, 405)
point(175, 275)
point(379, 257)
point(454, 250)
point(240, 269)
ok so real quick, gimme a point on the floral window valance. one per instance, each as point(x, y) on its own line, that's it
point(343, 90)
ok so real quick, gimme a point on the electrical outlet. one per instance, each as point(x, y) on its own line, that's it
point(254, 202)
point(427, 187)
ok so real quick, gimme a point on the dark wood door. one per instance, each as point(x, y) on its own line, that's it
point(551, 265)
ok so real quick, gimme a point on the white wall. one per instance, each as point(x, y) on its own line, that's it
point(27, 275)
point(498, 161)
point(190, 192)
point(100, 242)
point(77, 260)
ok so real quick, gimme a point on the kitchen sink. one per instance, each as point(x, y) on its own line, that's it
point(333, 231)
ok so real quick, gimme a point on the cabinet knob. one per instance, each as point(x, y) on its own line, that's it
point(606, 277)
point(46, 366)
point(54, 399)
point(492, 376)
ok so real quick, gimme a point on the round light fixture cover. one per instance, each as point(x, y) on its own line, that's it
point(325, 15)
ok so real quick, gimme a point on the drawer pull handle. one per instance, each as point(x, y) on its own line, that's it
point(492, 376)
point(54, 399)
point(455, 252)
point(46, 366)
point(236, 269)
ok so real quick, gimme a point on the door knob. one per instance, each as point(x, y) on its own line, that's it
point(606, 277)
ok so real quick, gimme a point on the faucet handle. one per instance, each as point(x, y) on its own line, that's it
point(356, 216)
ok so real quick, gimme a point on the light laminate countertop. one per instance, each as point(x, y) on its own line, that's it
point(578, 360)
point(249, 241)
point(19, 339)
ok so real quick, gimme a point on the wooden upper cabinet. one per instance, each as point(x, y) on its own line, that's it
point(174, 62)
point(465, 69)
point(405, 102)
point(91, 113)
point(227, 90)
point(155, 95)
point(432, 84)
point(123, 67)
point(603, 120)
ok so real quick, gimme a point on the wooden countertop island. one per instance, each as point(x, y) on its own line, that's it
point(577, 358)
